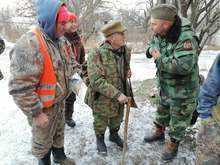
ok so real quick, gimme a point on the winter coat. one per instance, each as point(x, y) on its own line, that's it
point(104, 77)
point(177, 68)
point(27, 63)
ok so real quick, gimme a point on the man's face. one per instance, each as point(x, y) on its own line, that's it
point(74, 26)
point(159, 27)
point(61, 28)
point(119, 39)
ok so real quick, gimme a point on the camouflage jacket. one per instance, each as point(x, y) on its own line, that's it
point(27, 65)
point(104, 76)
point(177, 65)
point(77, 46)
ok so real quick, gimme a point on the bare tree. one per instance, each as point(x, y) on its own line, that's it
point(204, 16)
point(90, 13)
point(26, 8)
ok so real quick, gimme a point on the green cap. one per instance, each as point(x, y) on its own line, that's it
point(112, 27)
point(164, 12)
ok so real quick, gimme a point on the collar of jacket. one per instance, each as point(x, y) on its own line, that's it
point(118, 51)
point(174, 32)
point(73, 37)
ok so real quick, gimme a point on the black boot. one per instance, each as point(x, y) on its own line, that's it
point(69, 104)
point(45, 160)
point(101, 147)
point(157, 135)
point(60, 157)
point(70, 123)
point(114, 137)
point(171, 149)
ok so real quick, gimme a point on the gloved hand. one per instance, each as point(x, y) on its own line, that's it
point(75, 83)
point(122, 99)
point(207, 128)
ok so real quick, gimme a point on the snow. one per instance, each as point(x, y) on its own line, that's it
point(15, 133)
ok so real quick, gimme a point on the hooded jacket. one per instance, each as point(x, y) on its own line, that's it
point(27, 62)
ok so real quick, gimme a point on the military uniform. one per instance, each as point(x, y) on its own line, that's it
point(105, 86)
point(27, 68)
point(107, 72)
point(79, 53)
point(177, 75)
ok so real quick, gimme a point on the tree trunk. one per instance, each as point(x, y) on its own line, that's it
point(183, 8)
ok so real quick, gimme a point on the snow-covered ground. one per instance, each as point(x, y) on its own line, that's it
point(15, 133)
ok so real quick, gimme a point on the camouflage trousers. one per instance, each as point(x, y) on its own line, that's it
point(176, 114)
point(53, 135)
point(208, 140)
point(103, 117)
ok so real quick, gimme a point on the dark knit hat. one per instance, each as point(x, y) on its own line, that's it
point(164, 12)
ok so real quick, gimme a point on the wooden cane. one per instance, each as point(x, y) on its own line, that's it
point(125, 144)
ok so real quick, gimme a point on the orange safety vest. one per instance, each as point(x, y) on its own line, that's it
point(47, 84)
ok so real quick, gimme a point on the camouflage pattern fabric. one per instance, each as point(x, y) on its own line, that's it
point(105, 87)
point(26, 67)
point(79, 55)
point(51, 136)
point(178, 77)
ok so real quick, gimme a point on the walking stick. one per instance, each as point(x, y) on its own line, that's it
point(125, 145)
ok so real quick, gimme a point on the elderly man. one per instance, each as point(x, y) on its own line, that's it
point(174, 48)
point(79, 55)
point(39, 80)
point(208, 144)
point(108, 70)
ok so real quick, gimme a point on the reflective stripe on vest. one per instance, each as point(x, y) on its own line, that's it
point(47, 84)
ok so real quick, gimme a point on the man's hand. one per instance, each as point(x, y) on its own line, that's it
point(123, 99)
point(154, 53)
point(41, 120)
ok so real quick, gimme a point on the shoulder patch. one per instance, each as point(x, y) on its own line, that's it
point(187, 45)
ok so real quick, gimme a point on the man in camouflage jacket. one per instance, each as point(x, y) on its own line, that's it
point(79, 55)
point(27, 66)
point(108, 70)
point(174, 49)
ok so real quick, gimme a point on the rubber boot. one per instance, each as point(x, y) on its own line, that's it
point(101, 147)
point(45, 160)
point(114, 137)
point(60, 157)
point(69, 104)
point(171, 149)
point(157, 135)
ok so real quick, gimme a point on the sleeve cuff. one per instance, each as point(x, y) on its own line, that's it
point(205, 116)
point(148, 55)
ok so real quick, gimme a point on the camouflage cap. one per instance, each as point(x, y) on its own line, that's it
point(164, 12)
point(112, 27)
